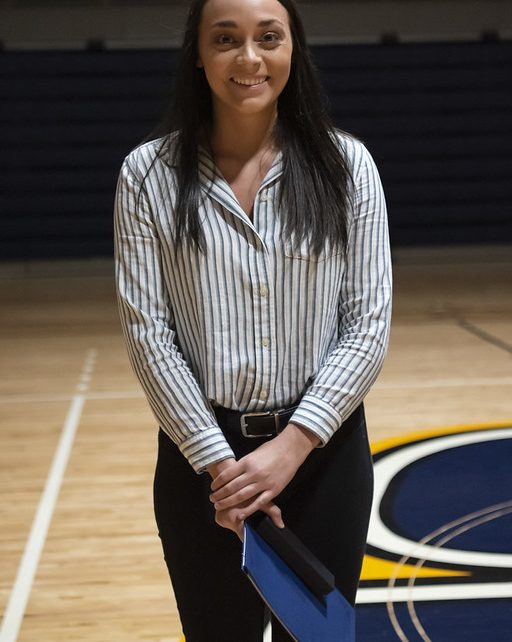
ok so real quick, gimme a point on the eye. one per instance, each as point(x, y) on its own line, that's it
point(224, 39)
point(271, 38)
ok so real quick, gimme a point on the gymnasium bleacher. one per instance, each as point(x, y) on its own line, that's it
point(436, 116)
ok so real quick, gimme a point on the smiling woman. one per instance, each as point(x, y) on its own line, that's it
point(252, 53)
point(254, 284)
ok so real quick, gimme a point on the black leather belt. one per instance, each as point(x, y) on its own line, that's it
point(254, 424)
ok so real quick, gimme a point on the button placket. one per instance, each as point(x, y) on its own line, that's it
point(271, 351)
point(264, 331)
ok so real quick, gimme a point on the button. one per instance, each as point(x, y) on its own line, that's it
point(265, 342)
point(264, 197)
point(264, 395)
point(263, 291)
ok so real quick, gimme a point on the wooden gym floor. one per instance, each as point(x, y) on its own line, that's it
point(79, 556)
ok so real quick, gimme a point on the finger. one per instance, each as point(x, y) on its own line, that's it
point(274, 512)
point(230, 488)
point(227, 476)
point(243, 495)
point(228, 519)
point(260, 503)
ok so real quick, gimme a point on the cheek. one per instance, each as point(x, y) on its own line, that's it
point(213, 71)
point(284, 69)
point(284, 63)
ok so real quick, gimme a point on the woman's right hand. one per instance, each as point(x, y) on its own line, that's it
point(229, 518)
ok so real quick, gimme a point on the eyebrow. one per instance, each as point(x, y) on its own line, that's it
point(232, 23)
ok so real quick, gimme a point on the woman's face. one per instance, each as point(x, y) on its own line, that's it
point(245, 48)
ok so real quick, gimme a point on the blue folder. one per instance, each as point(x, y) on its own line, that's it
point(297, 588)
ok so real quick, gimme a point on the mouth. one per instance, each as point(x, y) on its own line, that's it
point(250, 82)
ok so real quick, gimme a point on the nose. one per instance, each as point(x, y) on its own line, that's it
point(248, 55)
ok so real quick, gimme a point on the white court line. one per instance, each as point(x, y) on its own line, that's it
point(20, 593)
point(434, 593)
point(134, 394)
point(128, 394)
point(445, 383)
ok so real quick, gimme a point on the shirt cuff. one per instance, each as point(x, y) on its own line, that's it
point(317, 416)
point(205, 447)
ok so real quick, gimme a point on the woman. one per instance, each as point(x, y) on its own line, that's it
point(254, 285)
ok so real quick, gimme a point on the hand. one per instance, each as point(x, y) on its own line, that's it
point(251, 483)
point(230, 517)
point(226, 518)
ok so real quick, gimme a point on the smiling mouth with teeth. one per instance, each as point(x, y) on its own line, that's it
point(250, 82)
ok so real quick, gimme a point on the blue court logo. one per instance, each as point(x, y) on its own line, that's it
point(439, 558)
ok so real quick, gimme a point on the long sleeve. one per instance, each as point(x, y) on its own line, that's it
point(364, 313)
point(173, 393)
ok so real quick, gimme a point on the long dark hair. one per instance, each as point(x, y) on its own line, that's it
point(315, 187)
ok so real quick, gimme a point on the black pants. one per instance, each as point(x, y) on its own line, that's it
point(327, 505)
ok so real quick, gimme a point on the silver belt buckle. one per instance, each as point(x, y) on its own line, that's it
point(243, 425)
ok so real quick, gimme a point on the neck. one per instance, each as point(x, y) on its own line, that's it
point(242, 136)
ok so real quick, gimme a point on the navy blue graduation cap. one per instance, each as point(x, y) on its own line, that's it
point(294, 584)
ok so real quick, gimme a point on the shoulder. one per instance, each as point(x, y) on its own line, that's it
point(157, 153)
point(354, 151)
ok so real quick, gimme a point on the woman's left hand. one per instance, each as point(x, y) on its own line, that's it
point(253, 481)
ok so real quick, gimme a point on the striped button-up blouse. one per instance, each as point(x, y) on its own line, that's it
point(253, 323)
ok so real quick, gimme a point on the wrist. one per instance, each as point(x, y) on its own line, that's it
point(216, 468)
point(300, 439)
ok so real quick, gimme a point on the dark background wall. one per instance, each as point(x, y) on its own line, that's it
point(437, 116)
